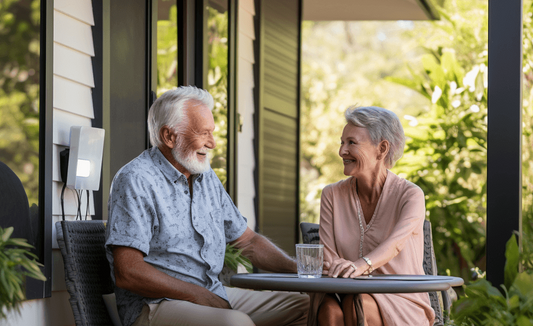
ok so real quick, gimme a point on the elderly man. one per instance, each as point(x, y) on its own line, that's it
point(169, 221)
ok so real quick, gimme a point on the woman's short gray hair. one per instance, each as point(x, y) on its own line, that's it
point(381, 124)
point(168, 109)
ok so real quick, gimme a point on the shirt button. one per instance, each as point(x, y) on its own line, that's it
point(186, 192)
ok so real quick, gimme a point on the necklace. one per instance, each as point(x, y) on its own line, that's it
point(359, 210)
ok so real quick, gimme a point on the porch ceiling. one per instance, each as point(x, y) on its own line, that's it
point(317, 10)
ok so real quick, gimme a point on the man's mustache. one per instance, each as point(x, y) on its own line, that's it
point(204, 150)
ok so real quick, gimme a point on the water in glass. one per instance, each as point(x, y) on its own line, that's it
point(309, 258)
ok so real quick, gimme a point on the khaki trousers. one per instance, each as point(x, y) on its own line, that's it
point(249, 308)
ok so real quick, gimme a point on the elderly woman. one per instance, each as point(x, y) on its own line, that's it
point(372, 223)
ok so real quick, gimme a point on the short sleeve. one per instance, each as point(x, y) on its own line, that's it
point(234, 223)
point(131, 213)
point(327, 236)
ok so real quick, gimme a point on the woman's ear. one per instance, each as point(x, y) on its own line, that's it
point(167, 137)
point(383, 149)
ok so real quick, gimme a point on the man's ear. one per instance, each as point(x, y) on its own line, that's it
point(167, 137)
point(383, 149)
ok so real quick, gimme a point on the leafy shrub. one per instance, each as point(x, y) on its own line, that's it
point(445, 155)
point(484, 304)
point(16, 262)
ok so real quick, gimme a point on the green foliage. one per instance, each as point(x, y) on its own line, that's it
point(19, 92)
point(217, 85)
point(527, 141)
point(16, 262)
point(167, 52)
point(217, 73)
point(446, 145)
point(484, 304)
point(234, 257)
point(446, 156)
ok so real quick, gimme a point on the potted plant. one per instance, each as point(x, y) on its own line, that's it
point(16, 263)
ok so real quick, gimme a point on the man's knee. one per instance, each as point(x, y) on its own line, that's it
point(299, 309)
point(301, 303)
point(301, 299)
point(235, 317)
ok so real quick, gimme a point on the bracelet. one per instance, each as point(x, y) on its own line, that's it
point(369, 263)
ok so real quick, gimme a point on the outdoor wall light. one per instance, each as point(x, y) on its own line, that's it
point(85, 158)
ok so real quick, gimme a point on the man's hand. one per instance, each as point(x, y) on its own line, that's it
point(264, 254)
point(210, 299)
point(132, 273)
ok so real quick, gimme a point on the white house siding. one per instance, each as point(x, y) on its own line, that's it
point(245, 105)
point(73, 83)
point(72, 99)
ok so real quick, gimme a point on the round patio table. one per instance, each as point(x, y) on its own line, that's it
point(364, 284)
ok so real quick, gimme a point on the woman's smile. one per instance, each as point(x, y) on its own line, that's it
point(347, 161)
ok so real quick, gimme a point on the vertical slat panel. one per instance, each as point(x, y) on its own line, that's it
point(278, 122)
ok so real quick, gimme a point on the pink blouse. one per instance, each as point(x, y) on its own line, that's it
point(393, 241)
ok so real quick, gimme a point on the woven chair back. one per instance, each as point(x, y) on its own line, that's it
point(87, 273)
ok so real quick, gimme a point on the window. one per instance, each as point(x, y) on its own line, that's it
point(19, 92)
point(23, 116)
point(217, 81)
point(214, 68)
point(167, 45)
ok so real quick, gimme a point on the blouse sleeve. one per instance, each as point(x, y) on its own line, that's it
point(327, 237)
point(412, 215)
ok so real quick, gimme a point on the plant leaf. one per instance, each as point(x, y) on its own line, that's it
point(7, 233)
point(511, 263)
point(523, 284)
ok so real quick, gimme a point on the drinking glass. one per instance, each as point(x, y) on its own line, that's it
point(310, 259)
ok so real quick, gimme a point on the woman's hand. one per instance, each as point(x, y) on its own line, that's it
point(340, 266)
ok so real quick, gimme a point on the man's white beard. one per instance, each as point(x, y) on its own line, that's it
point(190, 161)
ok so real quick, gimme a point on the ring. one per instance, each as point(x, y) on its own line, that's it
point(353, 266)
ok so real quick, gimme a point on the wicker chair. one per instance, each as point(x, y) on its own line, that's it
point(439, 301)
point(87, 273)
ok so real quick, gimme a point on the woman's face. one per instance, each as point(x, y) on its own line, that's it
point(358, 154)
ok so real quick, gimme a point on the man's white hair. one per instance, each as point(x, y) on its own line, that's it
point(381, 124)
point(169, 108)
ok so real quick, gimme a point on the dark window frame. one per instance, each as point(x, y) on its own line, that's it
point(41, 222)
point(38, 289)
point(200, 71)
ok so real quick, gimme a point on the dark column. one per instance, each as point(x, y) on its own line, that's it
point(98, 91)
point(129, 81)
point(504, 186)
point(233, 119)
point(45, 146)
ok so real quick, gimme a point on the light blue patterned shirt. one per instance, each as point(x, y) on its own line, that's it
point(151, 210)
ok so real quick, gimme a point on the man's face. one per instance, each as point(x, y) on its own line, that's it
point(195, 139)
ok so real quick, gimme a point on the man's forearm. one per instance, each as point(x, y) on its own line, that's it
point(132, 273)
point(145, 280)
point(265, 255)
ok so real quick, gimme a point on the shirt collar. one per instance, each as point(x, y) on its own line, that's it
point(168, 169)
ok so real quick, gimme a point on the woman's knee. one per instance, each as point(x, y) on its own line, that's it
point(371, 309)
point(347, 302)
point(329, 312)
